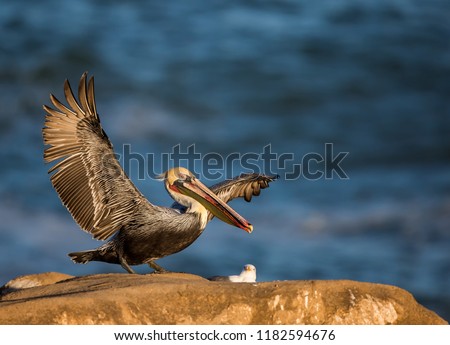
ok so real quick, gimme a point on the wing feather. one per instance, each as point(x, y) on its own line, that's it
point(243, 186)
point(61, 107)
point(87, 176)
point(70, 98)
point(91, 98)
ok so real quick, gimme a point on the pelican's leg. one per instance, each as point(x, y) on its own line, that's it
point(125, 265)
point(156, 267)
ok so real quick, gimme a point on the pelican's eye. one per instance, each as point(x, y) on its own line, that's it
point(184, 177)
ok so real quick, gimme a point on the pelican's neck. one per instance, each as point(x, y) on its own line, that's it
point(192, 206)
point(198, 209)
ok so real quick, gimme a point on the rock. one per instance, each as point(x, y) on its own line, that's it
point(177, 298)
point(33, 280)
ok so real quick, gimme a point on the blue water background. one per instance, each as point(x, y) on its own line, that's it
point(370, 77)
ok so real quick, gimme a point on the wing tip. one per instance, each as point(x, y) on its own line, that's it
point(273, 177)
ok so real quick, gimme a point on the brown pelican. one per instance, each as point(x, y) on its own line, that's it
point(104, 202)
point(248, 275)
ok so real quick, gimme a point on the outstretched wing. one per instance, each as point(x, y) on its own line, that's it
point(88, 178)
point(242, 186)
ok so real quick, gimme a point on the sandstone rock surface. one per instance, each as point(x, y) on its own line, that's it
point(177, 298)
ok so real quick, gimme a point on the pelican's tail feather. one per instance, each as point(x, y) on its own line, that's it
point(84, 257)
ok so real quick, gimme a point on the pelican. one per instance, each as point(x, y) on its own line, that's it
point(105, 203)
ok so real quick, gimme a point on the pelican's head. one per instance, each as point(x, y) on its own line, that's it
point(183, 187)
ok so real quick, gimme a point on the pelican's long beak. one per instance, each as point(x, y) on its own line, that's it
point(198, 191)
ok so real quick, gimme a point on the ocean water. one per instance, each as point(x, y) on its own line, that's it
point(369, 78)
